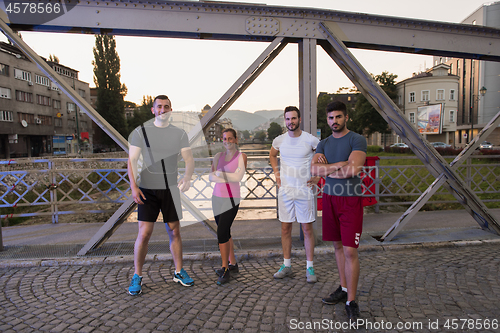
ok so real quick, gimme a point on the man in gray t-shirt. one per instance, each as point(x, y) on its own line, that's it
point(340, 158)
point(156, 189)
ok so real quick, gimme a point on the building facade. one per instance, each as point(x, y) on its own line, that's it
point(432, 87)
point(36, 119)
point(479, 83)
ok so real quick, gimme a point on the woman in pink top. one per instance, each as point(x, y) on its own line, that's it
point(228, 169)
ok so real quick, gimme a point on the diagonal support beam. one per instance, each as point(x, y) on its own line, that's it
point(464, 154)
point(129, 206)
point(64, 86)
point(233, 93)
point(431, 159)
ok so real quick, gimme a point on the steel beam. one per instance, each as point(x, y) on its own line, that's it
point(431, 159)
point(308, 85)
point(235, 91)
point(240, 21)
point(64, 86)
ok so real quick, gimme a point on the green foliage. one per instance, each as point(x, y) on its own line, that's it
point(323, 101)
point(274, 130)
point(260, 135)
point(246, 134)
point(374, 149)
point(142, 115)
point(366, 120)
point(110, 91)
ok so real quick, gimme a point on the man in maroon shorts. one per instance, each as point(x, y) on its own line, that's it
point(340, 158)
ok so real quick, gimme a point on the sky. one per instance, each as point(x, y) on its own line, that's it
point(194, 73)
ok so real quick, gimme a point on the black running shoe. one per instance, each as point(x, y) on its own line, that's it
point(232, 269)
point(337, 296)
point(352, 311)
point(224, 277)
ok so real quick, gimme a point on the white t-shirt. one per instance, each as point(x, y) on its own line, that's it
point(295, 158)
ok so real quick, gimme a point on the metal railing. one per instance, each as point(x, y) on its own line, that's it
point(57, 187)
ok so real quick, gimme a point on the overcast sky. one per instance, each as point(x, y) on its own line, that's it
point(194, 73)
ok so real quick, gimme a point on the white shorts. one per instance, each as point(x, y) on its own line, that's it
point(296, 206)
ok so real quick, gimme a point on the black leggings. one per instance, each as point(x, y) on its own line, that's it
point(224, 213)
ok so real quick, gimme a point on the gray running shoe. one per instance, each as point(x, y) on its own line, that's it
point(311, 277)
point(283, 272)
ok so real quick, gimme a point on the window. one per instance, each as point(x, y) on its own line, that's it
point(53, 86)
point(4, 69)
point(71, 123)
point(23, 96)
point(412, 117)
point(81, 92)
point(440, 94)
point(452, 94)
point(28, 117)
point(452, 116)
point(400, 100)
point(71, 107)
point(412, 97)
point(57, 122)
point(425, 95)
point(22, 75)
point(43, 100)
point(6, 116)
point(5, 93)
point(56, 104)
point(44, 120)
point(42, 80)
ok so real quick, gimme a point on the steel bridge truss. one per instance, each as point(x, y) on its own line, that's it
point(334, 31)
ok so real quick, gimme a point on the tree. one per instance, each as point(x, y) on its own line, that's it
point(366, 120)
point(260, 135)
point(274, 130)
point(142, 115)
point(110, 91)
point(323, 101)
point(246, 134)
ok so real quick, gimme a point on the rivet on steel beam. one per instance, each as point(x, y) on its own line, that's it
point(197, 29)
point(97, 12)
point(197, 17)
point(98, 23)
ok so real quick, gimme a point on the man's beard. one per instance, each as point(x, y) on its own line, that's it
point(338, 129)
point(291, 129)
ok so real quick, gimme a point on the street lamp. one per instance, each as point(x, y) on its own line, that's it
point(475, 100)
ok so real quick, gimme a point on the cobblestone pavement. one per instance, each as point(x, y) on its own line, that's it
point(415, 287)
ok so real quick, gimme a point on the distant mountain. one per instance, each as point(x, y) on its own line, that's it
point(243, 120)
point(269, 114)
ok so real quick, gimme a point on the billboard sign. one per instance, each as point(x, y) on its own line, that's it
point(429, 119)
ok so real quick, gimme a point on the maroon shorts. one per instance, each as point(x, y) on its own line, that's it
point(342, 219)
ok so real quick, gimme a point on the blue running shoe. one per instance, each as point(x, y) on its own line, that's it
point(183, 278)
point(135, 287)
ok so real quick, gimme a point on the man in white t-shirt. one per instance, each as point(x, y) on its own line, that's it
point(295, 196)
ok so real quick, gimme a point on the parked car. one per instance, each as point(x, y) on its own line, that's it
point(399, 145)
point(440, 145)
point(485, 145)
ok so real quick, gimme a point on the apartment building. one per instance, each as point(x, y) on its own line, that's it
point(435, 86)
point(36, 119)
point(479, 83)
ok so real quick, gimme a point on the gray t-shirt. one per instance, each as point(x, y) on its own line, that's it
point(165, 144)
point(338, 150)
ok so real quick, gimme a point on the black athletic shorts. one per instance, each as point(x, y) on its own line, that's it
point(167, 201)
